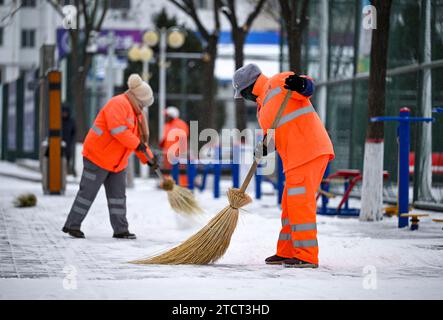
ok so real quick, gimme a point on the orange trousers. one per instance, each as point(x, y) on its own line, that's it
point(298, 236)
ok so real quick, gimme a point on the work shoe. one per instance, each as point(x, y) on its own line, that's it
point(297, 263)
point(275, 260)
point(74, 233)
point(124, 235)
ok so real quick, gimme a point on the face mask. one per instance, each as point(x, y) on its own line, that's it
point(247, 93)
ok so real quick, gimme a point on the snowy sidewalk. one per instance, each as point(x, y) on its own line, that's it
point(358, 260)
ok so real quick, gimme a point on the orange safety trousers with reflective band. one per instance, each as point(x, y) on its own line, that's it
point(114, 136)
point(298, 236)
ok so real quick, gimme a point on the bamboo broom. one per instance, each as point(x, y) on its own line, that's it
point(211, 242)
point(181, 199)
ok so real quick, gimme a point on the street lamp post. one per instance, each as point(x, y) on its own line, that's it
point(173, 37)
point(162, 83)
point(144, 54)
point(110, 66)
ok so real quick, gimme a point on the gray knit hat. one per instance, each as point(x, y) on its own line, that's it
point(244, 77)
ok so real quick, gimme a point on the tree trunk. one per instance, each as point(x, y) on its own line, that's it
point(208, 107)
point(295, 41)
point(239, 37)
point(79, 105)
point(423, 159)
point(79, 93)
point(372, 190)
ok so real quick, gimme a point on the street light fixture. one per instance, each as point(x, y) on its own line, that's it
point(143, 54)
point(173, 37)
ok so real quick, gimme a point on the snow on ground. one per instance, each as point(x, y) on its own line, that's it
point(357, 260)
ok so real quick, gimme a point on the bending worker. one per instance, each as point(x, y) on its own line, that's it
point(175, 140)
point(119, 129)
point(305, 149)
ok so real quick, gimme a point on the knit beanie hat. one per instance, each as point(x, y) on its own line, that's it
point(141, 90)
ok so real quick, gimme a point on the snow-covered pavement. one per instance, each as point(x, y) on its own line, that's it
point(358, 260)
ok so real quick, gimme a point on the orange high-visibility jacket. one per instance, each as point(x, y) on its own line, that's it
point(300, 135)
point(180, 136)
point(114, 136)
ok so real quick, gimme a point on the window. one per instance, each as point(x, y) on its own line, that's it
point(1, 36)
point(120, 4)
point(28, 3)
point(28, 38)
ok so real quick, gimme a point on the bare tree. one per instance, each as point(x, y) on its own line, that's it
point(89, 19)
point(207, 117)
point(372, 192)
point(295, 18)
point(239, 32)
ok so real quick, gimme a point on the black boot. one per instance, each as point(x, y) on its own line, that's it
point(275, 260)
point(74, 233)
point(124, 235)
point(297, 263)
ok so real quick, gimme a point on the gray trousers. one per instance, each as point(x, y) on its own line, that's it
point(92, 179)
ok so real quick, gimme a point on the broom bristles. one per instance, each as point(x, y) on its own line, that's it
point(211, 242)
point(182, 200)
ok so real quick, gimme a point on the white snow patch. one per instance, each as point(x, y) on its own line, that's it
point(34, 252)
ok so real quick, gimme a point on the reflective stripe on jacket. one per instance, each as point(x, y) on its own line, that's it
point(300, 135)
point(114, 136)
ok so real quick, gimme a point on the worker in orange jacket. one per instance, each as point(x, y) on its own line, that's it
point(305, 149)
point(175, 140)
point(119, 129)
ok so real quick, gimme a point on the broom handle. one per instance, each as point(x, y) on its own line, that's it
point(274, 125)
point(157, 171)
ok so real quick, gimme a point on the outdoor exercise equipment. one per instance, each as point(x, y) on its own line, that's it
point(404, 135)
point(349, 178)
point(414, 219)
point(438, 221)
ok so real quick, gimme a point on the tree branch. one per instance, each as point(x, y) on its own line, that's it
point(102, 17)
point(85, 13)
point(293, 12)
point(180, 6)
point(11, 14)
point(217, 25)
point(228, 14)
point(304, 13)
point(94, 12)
point(253, 15)
point(188, 7)
point(233, 14)
point(285, 10)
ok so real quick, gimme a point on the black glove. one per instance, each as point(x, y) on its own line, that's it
point(295, 83)
point(153, 163)
point(261, 150)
